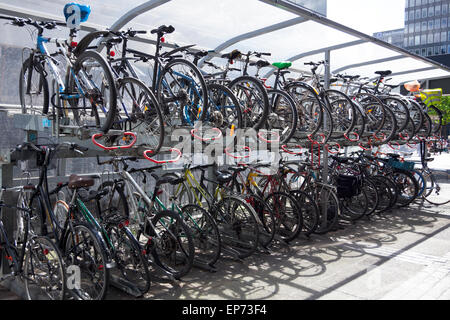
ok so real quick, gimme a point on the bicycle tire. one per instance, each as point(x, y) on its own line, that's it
point(309, 211)
point(131, 263)
point(106, 81)
point(224, 111)
point(195, 106)
point(232, 215)
point(205, 232)
point(343, 112)
point(283, 114)
point(43, 262)
point(166, 242)
point(252, 118)
point(146, 116)
point(91, 260)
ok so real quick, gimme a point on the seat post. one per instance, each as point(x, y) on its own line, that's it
point(277, 79)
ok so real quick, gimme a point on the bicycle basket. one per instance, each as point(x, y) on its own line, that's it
point(405, 165)
point(348, 186)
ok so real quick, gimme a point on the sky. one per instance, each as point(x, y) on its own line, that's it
point(368, 16)
point(208, 23)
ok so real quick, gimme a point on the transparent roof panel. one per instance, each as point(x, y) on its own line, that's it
point(211, 23)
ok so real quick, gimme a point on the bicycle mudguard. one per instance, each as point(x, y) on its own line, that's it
point(87, 40)
point(99, 135)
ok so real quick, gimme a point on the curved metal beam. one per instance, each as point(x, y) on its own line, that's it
point(253, 34)
point(317, 51)
point(366, 63)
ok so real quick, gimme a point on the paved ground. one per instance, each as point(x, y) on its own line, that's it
point(400, 255)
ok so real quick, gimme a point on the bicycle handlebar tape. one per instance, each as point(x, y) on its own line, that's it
point(239, 157)
point(99, 135)
point(277, 136)
point(219, 135)
point(146, 156)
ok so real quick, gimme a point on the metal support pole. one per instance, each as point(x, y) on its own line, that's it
point(327, 76)
point(7, 214)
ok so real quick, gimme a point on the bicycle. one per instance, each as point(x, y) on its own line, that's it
point(87, 85)
point(33, 258)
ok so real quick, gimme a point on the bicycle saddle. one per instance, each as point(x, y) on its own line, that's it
point(76, 182)
point(384, 73)
point(260, 63)
point(236, 169)
point(232, 55)
point(170, 178)
point(223, 176)
point(163, 30)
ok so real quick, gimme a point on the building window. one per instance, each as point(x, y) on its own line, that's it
point(423, 39)
point(430, 38)
point(437, 49)
point(411, 3)
point(411, 28)
point(437, 10)
point(417, 27)
point(417, 40)
point(444, 23)
point(437, 23)
point(443, 49)
point(431, 11)
point(424, 12)
point(429, 51)
point(424, 52)
point(444, 9)
point(443, 36)
point(448, 48)
point(424, 26)
point(411, 41)
point(411, 15)
point(405, 42)
point(430, 25)
point(437, 37)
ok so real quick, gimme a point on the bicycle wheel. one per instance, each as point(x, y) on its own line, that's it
point(238, 225)
point(86, 250)
point(92, 83)
point(114, 202)
point(416, 115)
point(141, 111)
point(373, 197)
point(224, 111)
point(253, 100)
point(343, 112)
point(182, 93)
point(287, 215)
point(309, 108)
point(309, 211)
point(400, 110)
point(172, 243)
point(433, 192)
point(44, 270)
point(373, 112)
point(129, 256)
point(384, 194)
point(392, 187)
point(267, 222)
point(355, 207)
point(283, 115)
point(328, 205)
point(436, 116)
point(205, 232)
point(407, 186)
point(33, 87)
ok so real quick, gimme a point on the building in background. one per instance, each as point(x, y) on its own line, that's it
point(319, 6)
point(427, 27)
point(394, 37)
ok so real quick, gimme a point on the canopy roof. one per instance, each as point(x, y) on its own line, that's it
point(286, 30)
